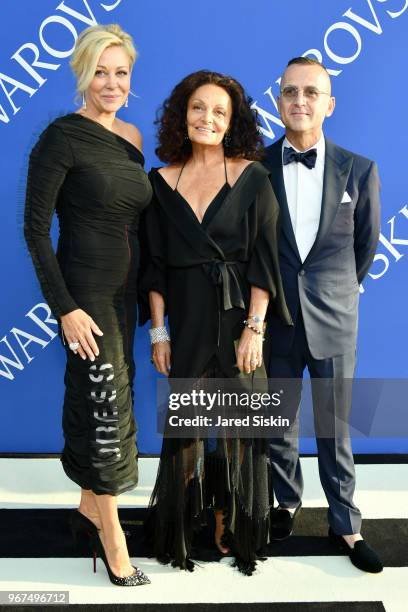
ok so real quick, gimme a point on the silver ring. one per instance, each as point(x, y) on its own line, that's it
point(74, 346)
point(253, 361)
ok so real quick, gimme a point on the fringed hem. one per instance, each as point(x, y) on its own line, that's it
point(170, 538)
point(222, 475)
point(170, 531)
point(244, 535)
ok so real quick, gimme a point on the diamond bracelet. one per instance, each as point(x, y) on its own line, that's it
point(158, 334)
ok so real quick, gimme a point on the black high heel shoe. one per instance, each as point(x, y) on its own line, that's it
point(82, 530)
point(82, 526)
point(79, 523)
point(136, 579)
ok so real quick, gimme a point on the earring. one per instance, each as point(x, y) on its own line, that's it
point(186, 136)
point(227, 140)
point(83, 100)
point(127, 103)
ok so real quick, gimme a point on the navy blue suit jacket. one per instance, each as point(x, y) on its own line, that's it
point(326, 285)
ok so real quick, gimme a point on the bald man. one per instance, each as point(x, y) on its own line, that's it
point(330, 215)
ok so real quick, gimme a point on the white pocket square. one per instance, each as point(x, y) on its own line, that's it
point(346, 198)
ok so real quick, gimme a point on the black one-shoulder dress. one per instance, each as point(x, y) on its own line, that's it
point(95, 181)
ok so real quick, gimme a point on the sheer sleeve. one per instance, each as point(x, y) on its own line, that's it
point(50, 160)
point(263, 269)
point(153, 268)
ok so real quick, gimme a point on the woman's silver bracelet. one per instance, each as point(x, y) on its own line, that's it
point(158, 334)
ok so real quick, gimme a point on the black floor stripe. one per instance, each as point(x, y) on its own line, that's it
point(370, 458)
point(45, 533)
point(349, 606)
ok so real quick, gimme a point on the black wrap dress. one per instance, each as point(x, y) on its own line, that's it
point(95, 181)
point(205, 272)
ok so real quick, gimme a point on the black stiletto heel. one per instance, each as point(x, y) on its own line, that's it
point(136, 579)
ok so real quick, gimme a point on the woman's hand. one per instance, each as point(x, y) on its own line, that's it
point(161, 353)
point(80, 327)
point(249, 353)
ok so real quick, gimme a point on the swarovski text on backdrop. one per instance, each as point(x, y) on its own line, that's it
point(11, 85)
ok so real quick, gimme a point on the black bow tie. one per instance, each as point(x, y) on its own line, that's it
point(308, 158)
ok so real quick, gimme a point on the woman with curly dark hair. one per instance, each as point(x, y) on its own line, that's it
point(212, 264)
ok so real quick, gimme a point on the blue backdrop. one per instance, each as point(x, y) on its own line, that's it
point(364, 45)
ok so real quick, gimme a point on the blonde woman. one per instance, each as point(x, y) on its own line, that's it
point(88, 166)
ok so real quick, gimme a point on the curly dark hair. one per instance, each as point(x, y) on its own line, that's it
point(245, 140)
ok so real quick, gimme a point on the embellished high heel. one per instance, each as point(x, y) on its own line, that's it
point(136, 579)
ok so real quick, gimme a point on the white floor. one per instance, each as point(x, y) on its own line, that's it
point(40, 483)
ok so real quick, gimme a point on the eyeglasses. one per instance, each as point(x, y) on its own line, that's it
point(291, 93)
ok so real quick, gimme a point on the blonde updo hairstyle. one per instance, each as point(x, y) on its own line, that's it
point(91, 43)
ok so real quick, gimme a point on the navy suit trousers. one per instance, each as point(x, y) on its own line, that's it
point(331, 393)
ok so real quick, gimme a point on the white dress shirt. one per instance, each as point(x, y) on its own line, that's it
point(304, 191)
